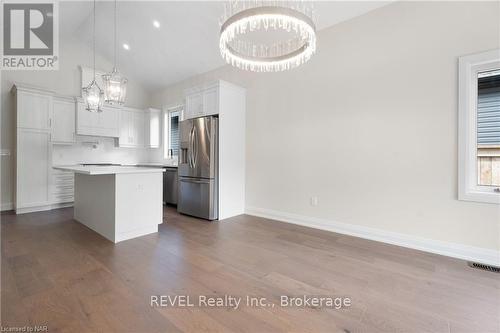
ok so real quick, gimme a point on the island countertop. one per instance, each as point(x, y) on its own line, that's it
point(106, 170)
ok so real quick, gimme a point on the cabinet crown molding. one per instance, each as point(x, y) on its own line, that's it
point(29, 88)
point(212, 84)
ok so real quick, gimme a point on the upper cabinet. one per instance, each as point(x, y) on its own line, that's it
point(194, 105)
point(132, 128)
point(105, 123)
point(202, 101)
point(33, 108)
point(211, 100)
point(63, 120)
point(152, 128)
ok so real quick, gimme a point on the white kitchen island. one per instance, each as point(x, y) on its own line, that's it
point(118, 202)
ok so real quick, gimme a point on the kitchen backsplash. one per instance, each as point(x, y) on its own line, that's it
point(103, 150)
point(97, 150)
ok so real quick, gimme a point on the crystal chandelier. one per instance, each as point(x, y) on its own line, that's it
point(115, 85)
point(247, 23)
point(92, 94)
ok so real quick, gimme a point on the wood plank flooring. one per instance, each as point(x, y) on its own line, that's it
point(58, 273)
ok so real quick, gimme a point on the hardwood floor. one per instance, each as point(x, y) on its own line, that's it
point(58, 273)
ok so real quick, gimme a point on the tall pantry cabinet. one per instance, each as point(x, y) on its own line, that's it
point(42, 119)
point(33, 133)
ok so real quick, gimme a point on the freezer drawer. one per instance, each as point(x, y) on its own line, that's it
point(198, 197)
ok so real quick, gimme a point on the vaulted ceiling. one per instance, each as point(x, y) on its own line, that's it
point(185, 44)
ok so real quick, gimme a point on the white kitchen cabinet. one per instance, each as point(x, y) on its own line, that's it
point(202, 101)
point(105, 123)
point(132, 128)
point(139, 128)
point(62, 186)
point(109, 120)
point(211, 101)
point(152, 128)
point(63, 120)
point(33, 153)
point(32, 174)
point(33, 108)
point(194, 105)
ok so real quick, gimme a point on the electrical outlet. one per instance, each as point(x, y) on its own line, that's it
point(314, 201)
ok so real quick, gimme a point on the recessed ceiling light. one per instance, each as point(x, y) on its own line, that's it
point(156, 24)
point(126, 46)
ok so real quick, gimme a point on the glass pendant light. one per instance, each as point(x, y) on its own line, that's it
point(92, 94)
point(115, 85)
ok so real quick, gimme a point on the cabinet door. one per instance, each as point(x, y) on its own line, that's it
point(86, 121)
point(105, 123)
point(211, 101)
point(139, 129)
point(134, 129)
point(124, 138)
point(33, 110)
point(63, 121)
point(32, 168)
point(109, 122)
point(194, 105)
point(152, 128)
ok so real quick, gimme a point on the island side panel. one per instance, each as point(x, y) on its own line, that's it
point(139, 204)
point(95, 203)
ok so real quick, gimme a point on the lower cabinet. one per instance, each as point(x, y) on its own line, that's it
point(38, 185)
point(62, 189)
point(32, 172)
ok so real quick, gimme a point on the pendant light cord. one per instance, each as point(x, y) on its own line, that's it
point(116, 59)
point(94, 39)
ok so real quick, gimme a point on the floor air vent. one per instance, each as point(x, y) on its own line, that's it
point(484, 267)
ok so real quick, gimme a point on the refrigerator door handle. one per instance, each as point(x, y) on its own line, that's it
point(191, 146)
point(195, 181)
point(195, 148)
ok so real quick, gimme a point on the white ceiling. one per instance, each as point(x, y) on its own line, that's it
point(186, 43)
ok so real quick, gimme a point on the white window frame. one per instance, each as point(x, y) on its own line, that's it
point(469, 67)
point(166, 127)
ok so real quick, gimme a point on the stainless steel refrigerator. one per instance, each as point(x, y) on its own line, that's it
point(198, 167)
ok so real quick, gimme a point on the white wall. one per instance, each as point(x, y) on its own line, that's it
point(369, 125)
point(65, 81)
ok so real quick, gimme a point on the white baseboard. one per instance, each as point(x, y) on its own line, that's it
point(465, 252)
point(6, 206)
point(25, 210)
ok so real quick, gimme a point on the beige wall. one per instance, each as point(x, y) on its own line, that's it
point(369, 125)
point(65, 81)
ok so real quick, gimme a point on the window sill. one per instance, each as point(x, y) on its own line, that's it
point(480, 196)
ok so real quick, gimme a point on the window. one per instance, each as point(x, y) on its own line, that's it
point(488, 128)
point(479, 127)
point(171, 132)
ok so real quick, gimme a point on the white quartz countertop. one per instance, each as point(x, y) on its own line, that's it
point(158, 165)
point(106, 170)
